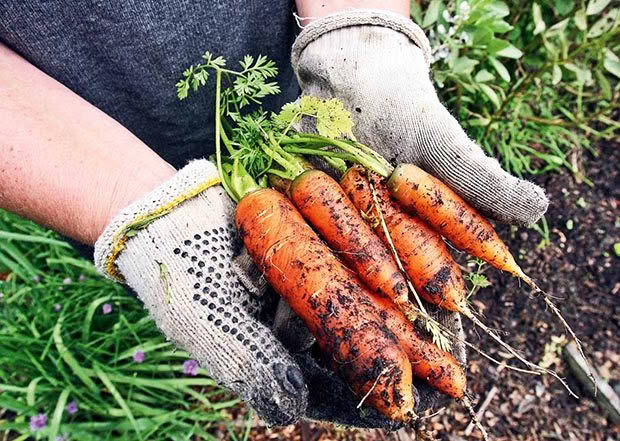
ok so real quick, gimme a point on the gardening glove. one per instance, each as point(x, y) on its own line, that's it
point(377, 64)
point(178, 250)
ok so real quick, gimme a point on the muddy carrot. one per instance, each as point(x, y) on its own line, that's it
point(323, 203)
point(437, 367)
point(331, 300)
point(426, 196)
point(424, 255)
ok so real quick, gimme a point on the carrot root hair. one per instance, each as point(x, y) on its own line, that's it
point(547, 299)
point(466, 402)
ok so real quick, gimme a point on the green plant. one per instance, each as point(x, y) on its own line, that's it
point(532, 81)
point(80, 357)
point(542, 228)
point(476, 277)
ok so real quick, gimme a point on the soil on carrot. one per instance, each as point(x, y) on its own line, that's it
point(580, 269)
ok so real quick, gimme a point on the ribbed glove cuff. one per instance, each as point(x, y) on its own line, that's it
point(191, 180)
point(360, 17)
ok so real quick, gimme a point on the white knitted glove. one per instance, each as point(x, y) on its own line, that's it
point(377, 63)
point(177, 249)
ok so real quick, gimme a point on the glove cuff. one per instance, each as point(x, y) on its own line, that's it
point(360, 17)
point(188, 182)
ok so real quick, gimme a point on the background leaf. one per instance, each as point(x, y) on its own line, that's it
point(484, 75)
point(563, 7)
point(489, 92)
point(612, 63)
point(557, 28)
point(580, 20)
point(596, 6)
point(416, 12)
point(604, 23)
point(498, 9)
point(502, 48)
point(603, 82)
point(432, 13)
point(500, 68)
point(464, 65)
point(500, 26)
point(557, 75)
point(538, 20)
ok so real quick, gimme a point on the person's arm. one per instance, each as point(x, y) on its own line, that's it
point(312, 9)
point(64, 163)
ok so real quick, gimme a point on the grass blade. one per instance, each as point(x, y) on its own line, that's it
point(88, 317)
point(34, 239)
point(70, 359)
point(30, 392)
point(19, 258)
point(119, 399)
point(84, 265)
point(57, 416)
point(7, 402)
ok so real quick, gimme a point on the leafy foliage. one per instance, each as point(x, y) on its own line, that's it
point(196, 76)
point(332, 119)
point(476, 276)
point(59, 346)
point(253, 139)
point(532, 81)
point(247, 86)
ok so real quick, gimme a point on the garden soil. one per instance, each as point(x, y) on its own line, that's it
point(580, 269)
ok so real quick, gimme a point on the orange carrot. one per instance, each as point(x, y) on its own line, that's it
point(327, 208)
point(424, 255)
point(330, 299)
point(438, 368)
point(421, 193)
point(426, 196)
point(422, 252)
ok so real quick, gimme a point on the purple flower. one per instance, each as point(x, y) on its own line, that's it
point(57, 307)
point(190, 367)
point(67, 281)
point(36, 278)
point(72, 407)
point(138, 356)
point(81, 278)
point(63, 437)
point(106, 308)
point(38, 422)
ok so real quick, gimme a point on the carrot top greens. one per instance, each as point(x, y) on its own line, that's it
point(258, 143)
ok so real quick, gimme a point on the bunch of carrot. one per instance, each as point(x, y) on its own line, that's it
point(351, 257)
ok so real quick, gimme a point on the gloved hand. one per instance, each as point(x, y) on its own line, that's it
point(178, 250)
point(377, 64)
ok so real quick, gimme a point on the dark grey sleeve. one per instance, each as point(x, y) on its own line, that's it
point(125, 57)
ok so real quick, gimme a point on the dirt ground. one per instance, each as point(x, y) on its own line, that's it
point(578, 267)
